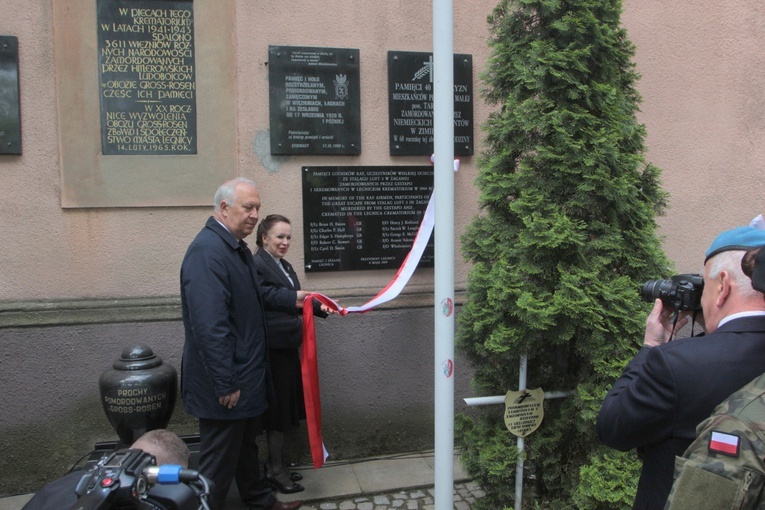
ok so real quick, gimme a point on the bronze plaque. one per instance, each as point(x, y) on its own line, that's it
point(410, 103)
point(363, 217)
point(10, 103)
point(147, 77)
point(314, 100)
point(524, 411)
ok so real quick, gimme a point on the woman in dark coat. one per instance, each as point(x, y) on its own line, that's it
point(285, 335)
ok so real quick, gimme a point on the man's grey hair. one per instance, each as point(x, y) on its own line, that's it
point(730, 261)
point(227, 191)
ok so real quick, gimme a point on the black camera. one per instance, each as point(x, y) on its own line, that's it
point(129, 479)
point(682, 292)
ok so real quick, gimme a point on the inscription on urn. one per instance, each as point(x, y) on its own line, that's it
point(138, 393)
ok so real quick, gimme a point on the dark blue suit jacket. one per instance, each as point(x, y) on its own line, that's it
point(666, 391)
point(223, 318)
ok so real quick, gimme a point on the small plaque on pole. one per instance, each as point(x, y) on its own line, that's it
point(524, 411)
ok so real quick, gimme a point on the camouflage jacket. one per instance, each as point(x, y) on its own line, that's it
point(725, 466)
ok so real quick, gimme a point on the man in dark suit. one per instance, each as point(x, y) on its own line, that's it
point(224, 376)
point(670, 387)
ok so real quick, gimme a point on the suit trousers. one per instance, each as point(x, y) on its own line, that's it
point(228, 451)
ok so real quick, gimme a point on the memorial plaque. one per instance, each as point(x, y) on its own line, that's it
point(10, 109)
point(410, 103)
point(147, 77)
point(363, 217)
point(314, 100)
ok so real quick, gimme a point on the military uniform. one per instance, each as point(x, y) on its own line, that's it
point(724, 467)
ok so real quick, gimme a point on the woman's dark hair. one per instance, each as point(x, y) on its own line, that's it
point(267, 224)
point(747, 262)
point(753, 265)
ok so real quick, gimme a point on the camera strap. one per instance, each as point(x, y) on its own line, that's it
point(674, 323)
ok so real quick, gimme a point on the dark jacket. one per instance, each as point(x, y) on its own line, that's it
point(224, 321)
point(666, 391)
point(285, 329)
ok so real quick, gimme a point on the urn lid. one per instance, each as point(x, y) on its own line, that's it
point(137, 357)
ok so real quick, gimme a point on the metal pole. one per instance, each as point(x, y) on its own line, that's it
point(519, 464)
point(443, 180)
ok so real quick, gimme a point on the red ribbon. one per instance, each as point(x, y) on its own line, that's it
point(310, 371)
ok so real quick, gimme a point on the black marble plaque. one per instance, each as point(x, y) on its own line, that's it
point(314, 100)
point(363, 217)
point(10, 109)
point(147, 77)
point(410, 103)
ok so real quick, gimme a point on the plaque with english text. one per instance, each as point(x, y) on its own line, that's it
point(314, 100)
point(146, 77)
point(363, 217)
point(410, 103)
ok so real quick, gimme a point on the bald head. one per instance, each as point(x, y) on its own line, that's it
point(166, 447)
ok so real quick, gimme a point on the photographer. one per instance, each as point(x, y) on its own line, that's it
point(670, 387)
point(165, 446)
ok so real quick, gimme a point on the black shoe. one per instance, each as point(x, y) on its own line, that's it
point(295, 477)
point(284, 489)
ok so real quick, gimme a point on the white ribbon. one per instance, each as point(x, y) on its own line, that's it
point(405, 272)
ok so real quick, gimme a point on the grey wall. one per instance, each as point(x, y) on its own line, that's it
point(376, 373)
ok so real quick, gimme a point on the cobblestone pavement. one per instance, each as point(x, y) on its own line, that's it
point(465, 494)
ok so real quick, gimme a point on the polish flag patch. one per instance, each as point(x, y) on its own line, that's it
point(724, 443)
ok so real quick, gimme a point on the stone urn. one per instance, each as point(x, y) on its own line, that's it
point(138, 393)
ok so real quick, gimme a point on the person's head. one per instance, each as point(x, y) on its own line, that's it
point(275, 235)
point(727, 288)
point(166, 447)
point(237, 203)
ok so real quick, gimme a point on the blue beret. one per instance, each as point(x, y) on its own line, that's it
point(741, 238)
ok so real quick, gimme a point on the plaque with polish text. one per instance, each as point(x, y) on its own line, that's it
point(410, 103)
point(146, 77)
point(314, 100)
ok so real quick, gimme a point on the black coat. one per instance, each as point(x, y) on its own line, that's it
point(285, 329)
point(224, 321)
point(666, 391)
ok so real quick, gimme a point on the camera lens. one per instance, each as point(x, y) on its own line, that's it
point(653, 289)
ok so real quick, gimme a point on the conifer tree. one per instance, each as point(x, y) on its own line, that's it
point(566, 236)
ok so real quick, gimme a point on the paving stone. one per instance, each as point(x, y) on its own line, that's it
point(465, 494)
point(416, 494)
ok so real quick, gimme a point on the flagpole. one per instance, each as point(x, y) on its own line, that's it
point(443, 136)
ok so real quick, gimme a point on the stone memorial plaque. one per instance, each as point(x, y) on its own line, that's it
point(410, 103)
point(10, 109)
point(363, 217)
point(314, 100)
point(147, 77)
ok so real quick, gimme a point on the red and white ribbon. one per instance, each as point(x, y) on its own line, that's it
point(405, 272)
point(309, 360)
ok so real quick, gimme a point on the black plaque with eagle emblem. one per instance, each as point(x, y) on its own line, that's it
point(314, 100)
